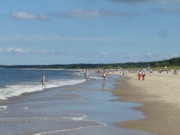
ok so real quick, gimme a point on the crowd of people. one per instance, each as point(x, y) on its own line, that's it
point(104, 74)
point(140, 73)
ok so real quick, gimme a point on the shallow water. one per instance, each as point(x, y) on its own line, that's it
point(69, 110)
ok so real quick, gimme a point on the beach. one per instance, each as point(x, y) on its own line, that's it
point(159, 94)
point(118, 105)
point(68, 107)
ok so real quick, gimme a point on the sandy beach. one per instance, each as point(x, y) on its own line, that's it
point(160, 95)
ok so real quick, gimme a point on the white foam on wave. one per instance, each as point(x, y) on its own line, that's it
point(62, 130)
point(57, 83)
point(79, 73)
point(96, 77)
point(3, 107)
point(91, 75)
point(70, 129)
point(76, 118)
point(19, 89)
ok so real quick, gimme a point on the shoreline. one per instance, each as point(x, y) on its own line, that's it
point(67, 108)
point(163, 117)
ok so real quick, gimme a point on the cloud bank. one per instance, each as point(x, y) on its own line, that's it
point(21, 51)
point(78, 13)
point(27, 16)
point(81, 13)
point(86, 57)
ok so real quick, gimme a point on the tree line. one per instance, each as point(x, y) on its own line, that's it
point(170, 62)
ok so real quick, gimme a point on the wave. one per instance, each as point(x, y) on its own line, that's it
point(19, 89)
point(76, 118)
point(3, 108)
point(63, 130)
point(72, 129)
point(96, 77)
point(91, 75)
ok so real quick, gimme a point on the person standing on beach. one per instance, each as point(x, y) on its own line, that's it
point(143, 75)
point(139, 75)
point(43, 81)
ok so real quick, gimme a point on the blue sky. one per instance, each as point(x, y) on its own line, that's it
point(88, 31)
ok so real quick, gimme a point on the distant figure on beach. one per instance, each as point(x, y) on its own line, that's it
point(104, 75)
point(86, 75)
point(143, 75)
point(175, 72)
point(139, 75)
point(43, 81)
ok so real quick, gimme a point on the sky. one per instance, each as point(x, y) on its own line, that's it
point(88, 31)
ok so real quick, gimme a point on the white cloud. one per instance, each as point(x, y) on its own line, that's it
point(174, 55)
point(149, 54)
point(17, 50)
point(78, 13)
point(81, 13)
point(27, 16)
point(23, 15)
point(21, 51)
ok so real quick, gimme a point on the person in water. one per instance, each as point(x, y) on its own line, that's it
point(104, 75)
point(86, 75)
point(43, 81)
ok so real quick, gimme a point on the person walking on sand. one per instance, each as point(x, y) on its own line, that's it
point(139, 76)
point(43, 81)
point(143, 75)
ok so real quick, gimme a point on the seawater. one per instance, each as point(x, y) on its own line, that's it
point(14, 82)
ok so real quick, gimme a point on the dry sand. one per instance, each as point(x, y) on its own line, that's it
point(160, 94)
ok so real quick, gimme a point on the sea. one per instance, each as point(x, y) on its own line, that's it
point(69, 105)
point(15, 82)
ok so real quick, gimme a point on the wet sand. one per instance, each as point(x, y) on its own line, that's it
point(159, 94)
